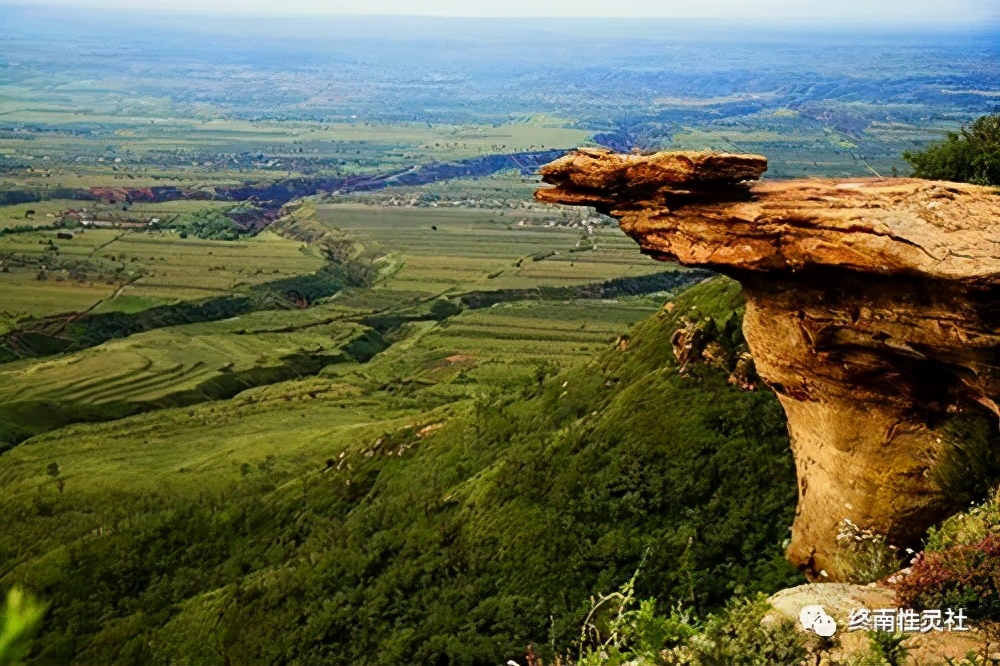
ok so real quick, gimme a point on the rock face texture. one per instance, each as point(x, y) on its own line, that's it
point(873, 311)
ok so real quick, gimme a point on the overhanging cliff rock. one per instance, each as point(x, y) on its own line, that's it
point(873, 311)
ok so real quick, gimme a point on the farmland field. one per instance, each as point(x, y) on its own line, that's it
point(125, 269)
point(449, 250)
point(426, 255)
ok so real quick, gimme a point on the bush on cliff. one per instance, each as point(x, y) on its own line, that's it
point(966, 576)
point(971, 155)
point(960, 566)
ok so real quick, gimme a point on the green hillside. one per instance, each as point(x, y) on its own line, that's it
point(375, 514)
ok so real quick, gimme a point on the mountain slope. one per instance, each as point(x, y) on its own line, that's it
point(377, 531)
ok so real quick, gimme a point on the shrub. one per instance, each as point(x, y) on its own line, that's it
point(636, 636)
point(959, 577)
point(969, 463)
point(443, 308)
point(967, 528)
point(739, 635)
point(971, 155)
point(616, 632)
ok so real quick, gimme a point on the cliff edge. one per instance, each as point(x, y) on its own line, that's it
point(873, 311)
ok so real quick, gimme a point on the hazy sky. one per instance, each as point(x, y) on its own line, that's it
point(896, 11)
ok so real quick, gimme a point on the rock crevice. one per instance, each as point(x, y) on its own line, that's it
point(873, 311)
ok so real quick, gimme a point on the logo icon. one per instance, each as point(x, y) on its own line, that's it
point(815, 619)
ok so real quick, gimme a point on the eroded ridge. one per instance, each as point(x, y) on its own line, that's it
point(873, 311)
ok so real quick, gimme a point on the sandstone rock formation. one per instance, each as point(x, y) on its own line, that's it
point(873, 311)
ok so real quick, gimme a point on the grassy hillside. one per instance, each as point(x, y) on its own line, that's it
point(374, 514)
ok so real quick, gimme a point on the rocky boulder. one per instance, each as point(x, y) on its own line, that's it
point(873, 311)
point(847, 646)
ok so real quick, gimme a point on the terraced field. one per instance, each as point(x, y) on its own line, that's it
point(171, 366)
point(431, 363)
point(24, 294)
point(177, 451)
point(504, 345)
point(150, 366)
point(191, 266)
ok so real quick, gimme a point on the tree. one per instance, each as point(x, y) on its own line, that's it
point(443, 308)
point(971, 155)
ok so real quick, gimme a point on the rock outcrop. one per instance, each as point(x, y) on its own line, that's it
point(873, 311)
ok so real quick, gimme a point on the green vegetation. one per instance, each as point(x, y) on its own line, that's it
point(968, 527)
point(739, 635)
point(20, 620)
point(969, 466)
point(189, 150)
point(31, 215)
point(451, 249)
point(620, 631)
point(963, 576)
point(402, 429)
point(368, 515)
point(184, 350)
point(970, 155)
point(94, 268)
point(176, 366)
point(960, 566)
point(884, 649)
point(208, 223)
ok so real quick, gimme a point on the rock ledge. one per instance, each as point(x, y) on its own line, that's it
point(873, 311)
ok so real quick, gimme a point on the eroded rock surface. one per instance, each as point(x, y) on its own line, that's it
point(873, 311)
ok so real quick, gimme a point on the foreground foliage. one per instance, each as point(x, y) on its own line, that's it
point(884, 649)
point(965, 576)
point(960, 566)
point(745, 632)
point(20, 620)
